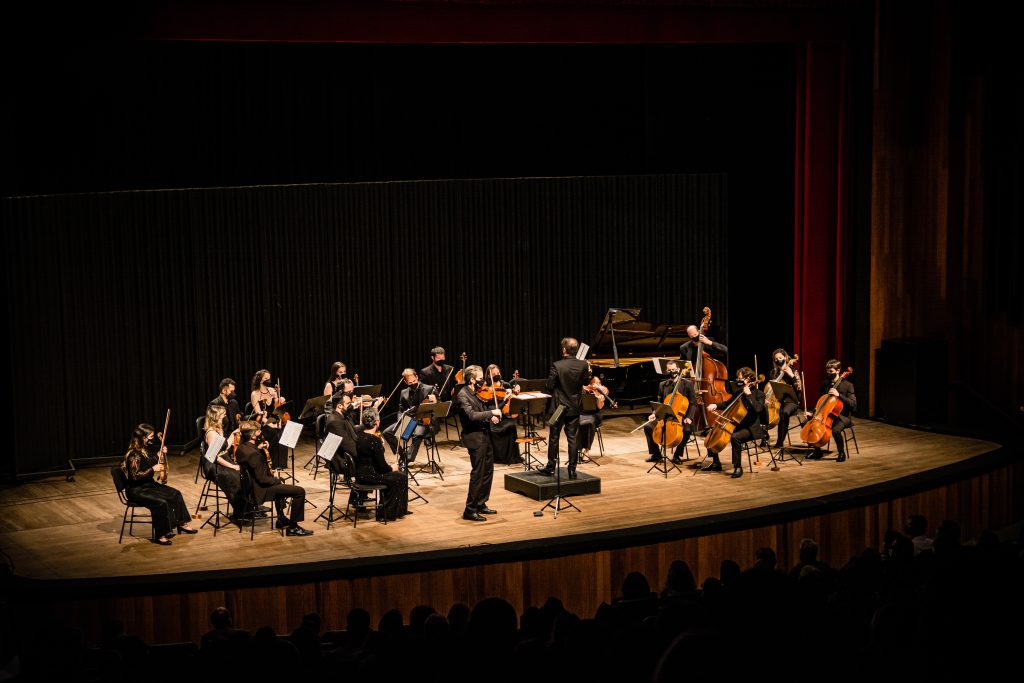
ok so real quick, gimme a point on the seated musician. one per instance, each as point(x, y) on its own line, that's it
point(438, 373)
point(688, 349)
point(372, 468)
point(590, 416)
point(227, 399)
point(783, 372)
point(265, 400)
point(749, 428)
point(414, 393)
point(266, 486)
point(338, 422)
point(665, 389)
point(164, 503)
point(335, 379)
point(503, 434)
point(843, 390)
point(224, 472)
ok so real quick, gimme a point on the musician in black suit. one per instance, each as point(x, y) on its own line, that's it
point(688, 349)
point(226, 398)
point(476, 419)
point(749, 428)
point(665, 389)
point(266, 486)
point(414, 393)
point(338, 422)
point(844, 391)
point(566, 380)
point(438, 373)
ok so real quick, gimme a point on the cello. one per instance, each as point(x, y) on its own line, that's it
point(670, 433)
point(726, 422)
point(817, 431)
point(710, 375)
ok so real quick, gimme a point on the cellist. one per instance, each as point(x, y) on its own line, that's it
point(749, 427)
point(664, 389)
point(844, 391)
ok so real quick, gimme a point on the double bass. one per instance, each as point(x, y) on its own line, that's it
point(817, 431)
point(710, 375)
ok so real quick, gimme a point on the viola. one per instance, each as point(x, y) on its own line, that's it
point(817, 431)
point(600, 393)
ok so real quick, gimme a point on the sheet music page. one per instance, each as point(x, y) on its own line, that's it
point(290, 435)
point(583, 351)
point(329, 446)
point(213, 450)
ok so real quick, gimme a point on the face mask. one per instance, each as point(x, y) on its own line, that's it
point(341, 375)
point(266, 382)
point(496, 378)
point(232, 396)
point(780, 361)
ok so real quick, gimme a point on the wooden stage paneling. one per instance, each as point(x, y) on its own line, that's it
point(62, 536)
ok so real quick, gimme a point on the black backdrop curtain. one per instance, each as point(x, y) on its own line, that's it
point(124, 304)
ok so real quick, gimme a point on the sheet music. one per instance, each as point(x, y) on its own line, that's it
point(290, 435)
point(329, 446)
point(583, 351)
point(213, 450)
point(524, 395)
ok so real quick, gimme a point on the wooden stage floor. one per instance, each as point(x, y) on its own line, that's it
point(55, 530)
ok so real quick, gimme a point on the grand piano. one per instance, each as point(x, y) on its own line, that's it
point(622, 353)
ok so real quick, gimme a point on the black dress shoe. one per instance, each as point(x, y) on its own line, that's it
point(677, 461)
point(473, 516)
point(572, 472)
point(737, 473)
point(815, 455)
point(484, 510)
point(548, 471)
point(841, 458)
point(713, 467)
point(162, 541)
point(297, 531)
point(654, 458)
point(183, 530)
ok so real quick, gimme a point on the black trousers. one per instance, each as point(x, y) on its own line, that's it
point(480, 478)
point(839, 423)
point(740, 437)
point(298, 495)
point(413, 447)
point(786, 412)
point(164, 503)
point(229, 481)
point(571, 425)
point(654, 448)
point(589, 423)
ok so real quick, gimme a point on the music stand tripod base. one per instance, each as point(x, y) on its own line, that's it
point(664, 413)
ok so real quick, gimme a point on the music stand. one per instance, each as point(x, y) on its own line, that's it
point(531, 386)
point(289, 439)
point(528, 405)
point(783, 390)
point(433, 411)
point(373, 391)
point(314, 407)
point(559, 502)
point(664, 412)
point(211, 456)
point(328, 451)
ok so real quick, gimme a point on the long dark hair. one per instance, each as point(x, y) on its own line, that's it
point(333, 377)
point(257, 379)
point(139, 436)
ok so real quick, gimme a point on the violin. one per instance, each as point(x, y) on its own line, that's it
point(600, 393)
point(817, 431)
point(460, 376)
point(162, 477)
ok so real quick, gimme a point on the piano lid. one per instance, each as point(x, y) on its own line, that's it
point(624, 339)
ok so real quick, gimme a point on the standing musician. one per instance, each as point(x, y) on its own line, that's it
point(438, 372)
point(843, 390)
point(414, 393)
point(503, 434)
point(164, 503)
point(266, 486)
point(664, 390)
point(749, 428)
point(335, 378)
point(227, 399)
point(372, 468)
point(264, 399)
point(476, 420)
point(688, 349)
point(566, 380)
point(783, 372)
point(224, 472)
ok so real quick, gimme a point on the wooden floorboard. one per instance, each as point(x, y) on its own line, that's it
point(59, 530)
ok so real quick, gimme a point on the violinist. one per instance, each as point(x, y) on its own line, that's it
point(224, 472)
point(590, 419)
point(476, 419)
point(335, 378)
point(688, 349)
point(228, 400)
point(503, 434)
point(749, 428)
point(264, 399)
point(266, 486)
point(414, 393)
point(566, 380)
point(339, 422)
point(164, 502)
point(665, 388)
point(783, 372)
point(844, 391)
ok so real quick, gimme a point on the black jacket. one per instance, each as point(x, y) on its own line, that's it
point(474, 416)
point(566, 380)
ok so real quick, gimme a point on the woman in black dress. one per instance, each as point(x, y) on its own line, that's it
point(227, 473)
point(372, 468)
point(163, 502)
